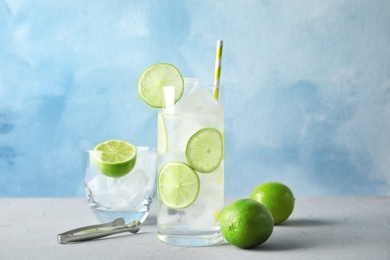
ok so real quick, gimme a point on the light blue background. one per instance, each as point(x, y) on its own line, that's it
point(307, 88)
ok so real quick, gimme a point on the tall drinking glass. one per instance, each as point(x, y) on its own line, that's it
point(191, 167)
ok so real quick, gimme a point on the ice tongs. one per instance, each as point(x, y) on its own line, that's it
point(97, 231)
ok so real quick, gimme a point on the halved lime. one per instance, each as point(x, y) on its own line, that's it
point(162, 137)
point(115, 158)
point(204, 150)
point(178, 185)
point(153, 80)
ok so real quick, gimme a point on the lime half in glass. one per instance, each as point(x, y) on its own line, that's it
point(115, 158)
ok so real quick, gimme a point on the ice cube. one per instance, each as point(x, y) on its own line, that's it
point(210, 201)
point(103, 190)
point(168, 217)
point(140, 198)
point(132, 184)
point(199, 215)
point(98, 185)
point(120, 194)
point(169, 93)
point(190, 82)
point(199, 100)
point(112, 202)
point(184, 128)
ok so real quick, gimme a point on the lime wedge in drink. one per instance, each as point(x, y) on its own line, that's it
point(204, 150)
point(115, 158)
point(162, 138)
point(178, 185)
point(153, 80)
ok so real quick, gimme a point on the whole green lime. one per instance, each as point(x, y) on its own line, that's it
point(246, 223)
point(277, 197)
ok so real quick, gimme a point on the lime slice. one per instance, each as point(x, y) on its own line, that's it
point(162, 138)
point(178, 185)
point(115, 158)
point(205, 150)
point(153, 80)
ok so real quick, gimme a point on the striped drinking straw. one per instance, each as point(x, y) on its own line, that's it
point(217, 75)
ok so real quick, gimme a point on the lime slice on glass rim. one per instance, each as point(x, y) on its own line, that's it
point(178, 185)
point(153, 80)
point(204, 150)
point(115, 158)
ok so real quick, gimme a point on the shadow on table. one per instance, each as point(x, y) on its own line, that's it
point(295, 234)
point(308, 222)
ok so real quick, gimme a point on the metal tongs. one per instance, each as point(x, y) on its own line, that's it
point(97, 231)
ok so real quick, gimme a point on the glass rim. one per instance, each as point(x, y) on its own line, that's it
point(210, 87)
point(139, 149)
point(198, 86)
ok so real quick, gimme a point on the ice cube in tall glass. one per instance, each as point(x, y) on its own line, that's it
point(197, 224)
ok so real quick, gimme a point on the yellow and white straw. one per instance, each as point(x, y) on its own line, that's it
point(217, 75)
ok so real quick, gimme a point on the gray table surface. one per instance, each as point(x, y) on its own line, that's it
point(319, 228)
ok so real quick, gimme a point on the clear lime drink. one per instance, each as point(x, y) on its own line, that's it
point(190, 166)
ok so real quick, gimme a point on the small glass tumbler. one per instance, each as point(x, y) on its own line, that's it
point(129, 196)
